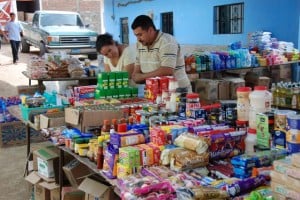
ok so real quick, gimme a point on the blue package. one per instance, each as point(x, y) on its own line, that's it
point(241, 171)
point(246, 161)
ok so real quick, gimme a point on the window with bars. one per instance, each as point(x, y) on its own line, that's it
point(167, 22)
point(124, 30)
point(229, 19)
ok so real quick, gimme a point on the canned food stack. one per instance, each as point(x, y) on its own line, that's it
point(293, 133)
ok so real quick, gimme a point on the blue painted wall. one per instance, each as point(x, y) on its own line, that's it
point(193, 19)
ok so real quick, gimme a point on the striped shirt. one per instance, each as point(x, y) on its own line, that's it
point(164, 52)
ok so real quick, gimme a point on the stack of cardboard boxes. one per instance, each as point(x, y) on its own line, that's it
point(81, 183)
point(44, 173)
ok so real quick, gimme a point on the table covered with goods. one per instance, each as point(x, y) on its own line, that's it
point(169, 145)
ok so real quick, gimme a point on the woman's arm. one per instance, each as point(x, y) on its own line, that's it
point(129, 68)
point(106, 68)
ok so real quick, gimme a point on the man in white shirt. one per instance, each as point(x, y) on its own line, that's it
point(13, 31)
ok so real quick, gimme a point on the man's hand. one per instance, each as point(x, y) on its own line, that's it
point(138, 77)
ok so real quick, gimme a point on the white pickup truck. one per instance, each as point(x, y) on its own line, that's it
point(59, 31)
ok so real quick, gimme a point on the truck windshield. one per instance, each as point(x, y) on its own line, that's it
point(60, 20)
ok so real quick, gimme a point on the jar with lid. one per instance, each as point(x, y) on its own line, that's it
point(260, 98)
point(192, 102)
point(260, 102)
point(243, 103)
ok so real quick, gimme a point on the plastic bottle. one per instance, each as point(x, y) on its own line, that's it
point(105, 127)
point(294, 96)
point(282, 95)
point(288, 96)
point(100, 156)
point(260, 102)
point(2, 113)
point(274, 94)
point(250, 141)
point(114, 124)
point(243, 103)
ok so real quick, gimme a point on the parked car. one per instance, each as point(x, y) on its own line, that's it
point(59, 31)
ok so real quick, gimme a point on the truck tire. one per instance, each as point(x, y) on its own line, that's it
point(92, 56)
point(25, 47)
point(43, 49)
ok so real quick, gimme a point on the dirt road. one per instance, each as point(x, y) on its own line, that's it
point(11, 74)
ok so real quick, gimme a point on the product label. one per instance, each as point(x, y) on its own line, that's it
point(262, 132)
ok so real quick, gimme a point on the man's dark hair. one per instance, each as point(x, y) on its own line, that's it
point(103, 40)
point(143, 21)
point(10, 14)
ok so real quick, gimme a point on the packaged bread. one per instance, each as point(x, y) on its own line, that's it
point(126, 139)
point(286, 167)
point(289, 182)
point(182, 159)
point(192, 142)
point(204, 193)
point(165, 155)
point(201, 193)
point(281, 189)
point(296, 159)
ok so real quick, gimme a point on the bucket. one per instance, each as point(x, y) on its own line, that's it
point(280, 118)
point(293, 140)
point(293, 121)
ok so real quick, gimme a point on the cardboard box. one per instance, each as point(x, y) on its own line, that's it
point(46, 191)
point(76, 172)
point(86, 118)
point(35, 154)
point(30, 89)
point(69, 193)
point(234, 84)
point(285, 72)
point(47, 162)
point(14, 133)
point(33, 178)
point(55, 194)
point(223, 90)
point(207, 89)
point(265, 81)
point(95, 189)
point(43, 190)
point(48, 120)
point(41, 193)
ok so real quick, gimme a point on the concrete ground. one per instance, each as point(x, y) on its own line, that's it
point(13, 159)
